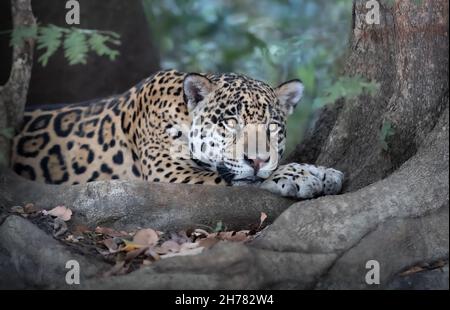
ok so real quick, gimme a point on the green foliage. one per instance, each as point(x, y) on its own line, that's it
point(219, 227)
point(99, 42)
point(76, 47)
point(386, 131)
point(271, 40)
point(76, 42)
point(345, 87)
point(49, 39)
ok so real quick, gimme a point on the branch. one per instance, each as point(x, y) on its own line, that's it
point(128, 204)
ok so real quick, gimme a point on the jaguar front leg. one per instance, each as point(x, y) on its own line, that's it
point(303, 181)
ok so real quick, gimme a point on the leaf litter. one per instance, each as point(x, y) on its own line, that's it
point(129, 251)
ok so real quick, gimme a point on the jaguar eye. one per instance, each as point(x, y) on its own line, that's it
point(231, 123)
point(273, 127)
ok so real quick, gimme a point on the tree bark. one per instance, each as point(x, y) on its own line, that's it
point(14, 93)
point(125, 204)
point(407, 53)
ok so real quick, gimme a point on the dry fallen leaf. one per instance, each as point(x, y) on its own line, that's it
point(262, 218)
point(180, 237)
point(423, 267)
point(412, 270)
point(170, 246)
point(133, 254)
point(185, 250)
point(112, 245)
point(147, 237)
point(30, 208)
point(80, 229)
point(60, 212)
point(150, 252)
point(17, 209)
point(131, 246)
point(208, 242)
point(236, 236)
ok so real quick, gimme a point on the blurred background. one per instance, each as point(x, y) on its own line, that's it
point(271, 40)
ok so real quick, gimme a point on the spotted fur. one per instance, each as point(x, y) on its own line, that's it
point(172, 127)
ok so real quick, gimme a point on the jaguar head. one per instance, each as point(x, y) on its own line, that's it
point(238, 124)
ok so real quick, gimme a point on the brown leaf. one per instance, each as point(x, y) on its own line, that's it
point(160, 250)
point(412, 270)
point(112, 245)
point(147, 237)
point(131, 246)
point(180, 237)
point(17, 209)
point(133, 254)
point(236, 236)
point(439, 264)
point(61, 212)
point(171, 246)
point(186, 249)
point(189, 245)
point(262, 218)
point(30, 208)
point(80, 229)
point(208, 242)
point(151, 253)
point(423, 267)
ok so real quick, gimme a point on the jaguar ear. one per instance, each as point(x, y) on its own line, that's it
point(289, 94)
point(196, 87)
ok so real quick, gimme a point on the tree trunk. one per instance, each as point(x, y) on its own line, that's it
point(407, 53)
point(13, 94)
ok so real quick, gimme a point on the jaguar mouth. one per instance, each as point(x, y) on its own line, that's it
point(250, 179)
point(230, 177)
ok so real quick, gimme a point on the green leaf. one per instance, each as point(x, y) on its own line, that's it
point(75, 47)
point(219, 227)
point(346, 87)
point(98, 44)
point(20, 34)
point(308, 76)
point(8, 133)
point(386, 131)
point(49, 39)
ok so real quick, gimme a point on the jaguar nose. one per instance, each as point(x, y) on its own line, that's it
point(256, 163)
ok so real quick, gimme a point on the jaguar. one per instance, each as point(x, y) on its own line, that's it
point(219, 129)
